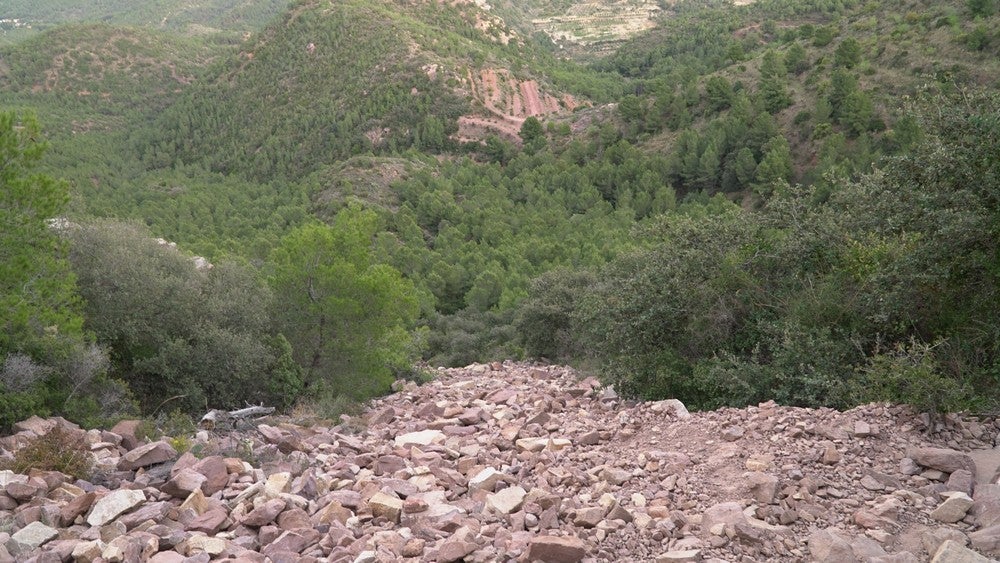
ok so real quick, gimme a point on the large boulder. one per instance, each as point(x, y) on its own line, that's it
point(954, 552)
point(113, 505)
point(829, 546)
point(942, 459)
point(146, 455)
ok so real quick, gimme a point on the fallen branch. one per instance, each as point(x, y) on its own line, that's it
point(215, 417)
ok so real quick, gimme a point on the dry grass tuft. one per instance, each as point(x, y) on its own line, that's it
point(56, 450)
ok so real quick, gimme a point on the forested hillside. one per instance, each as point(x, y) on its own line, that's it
point(332, 80)
point(85, 77)
point(27, 18)
point(780, 200)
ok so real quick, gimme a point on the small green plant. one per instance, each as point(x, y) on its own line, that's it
point(910, 374)
point(180, 443)
point(420, 374)
point(56, 450)
point(146, 430)
point(176, 424)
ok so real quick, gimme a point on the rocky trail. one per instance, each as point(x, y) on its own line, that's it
point(519, 462)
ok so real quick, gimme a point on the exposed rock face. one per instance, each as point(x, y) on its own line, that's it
point(516, 462)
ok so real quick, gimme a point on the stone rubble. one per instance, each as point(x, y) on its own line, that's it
point(522, 462)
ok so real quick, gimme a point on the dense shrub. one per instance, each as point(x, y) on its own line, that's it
point(347, 315)
point(884, 289)
point(193, 338)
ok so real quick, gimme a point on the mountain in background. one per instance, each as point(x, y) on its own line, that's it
point(26, 18)
point(86, 76)
point(509, 161)
point(335, 79)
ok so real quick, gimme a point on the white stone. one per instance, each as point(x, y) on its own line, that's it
point(385, 505)
point(539, 444)
point(211, 546)
point(113, 505)
point(486, 479)
point(277, 483)
point(7, 477)
point(31, 536)
point(506, 500)
point(673, 406)
point(953, 508)
point(421, 438)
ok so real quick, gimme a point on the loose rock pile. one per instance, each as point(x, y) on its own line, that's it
point(516, 462)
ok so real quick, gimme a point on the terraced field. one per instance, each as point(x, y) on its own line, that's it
point(601, 24)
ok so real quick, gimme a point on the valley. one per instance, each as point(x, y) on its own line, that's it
point(780, 213)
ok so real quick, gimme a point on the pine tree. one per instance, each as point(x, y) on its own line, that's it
point(39, 306)
point(848, 53)
point(775, 168)
point(774, 83)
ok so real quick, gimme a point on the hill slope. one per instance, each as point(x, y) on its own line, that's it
point(26, 18)
point(87, 76)
point(821, 74)
point(336, 79)
point(527, 462)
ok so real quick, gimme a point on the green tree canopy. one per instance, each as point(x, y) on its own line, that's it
point(47, 363)
point(179, 335)
point(848, 53)
point(346, 315)
point(38, 301)
point(532, 133)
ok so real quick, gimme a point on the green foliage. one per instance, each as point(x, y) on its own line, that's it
point(796, 59)
point(823, 36)
point(286, 381)
point(532, 134)
point(981, 8)
point(773, 88)
point(857, 112)
point(545, 320)
point(331, 109)
point(95, 73)
point(346, 315)
point(775, 168)
point(800, 301)
point(48, 365)
point(178, 335)
point(470, 336)
point(259, 114)
point(39, 307)
point(175, 424)
point(197, 17)
point(979, 38)
point(848, 53)
point(831, 44)
point(56, 450)
point(910, 374)
point(16, 406)
point(719, 92)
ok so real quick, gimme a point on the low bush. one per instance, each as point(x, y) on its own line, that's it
point(57, 450)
